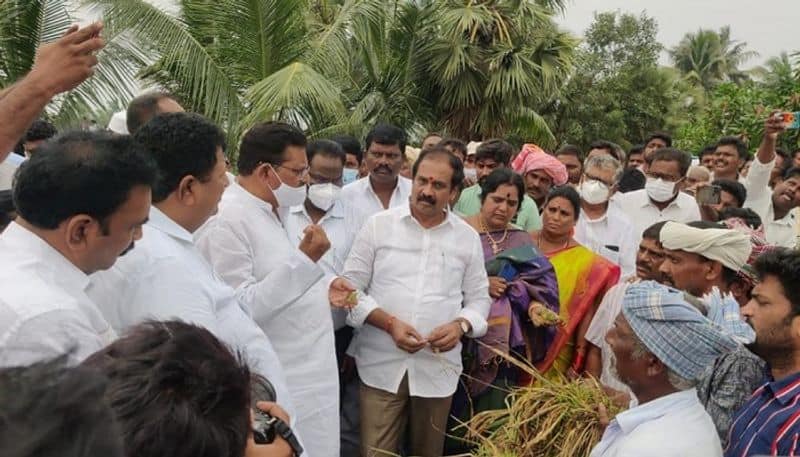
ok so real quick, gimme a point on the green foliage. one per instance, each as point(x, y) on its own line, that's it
point(707, 58)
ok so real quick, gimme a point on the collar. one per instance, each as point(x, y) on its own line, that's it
point(788, 219)
point(401, 183)
point(405, 213)
point(336, 211)
point(652, 410)
point(64, 271)
point(786, 389)
point(162, 222)
point(235, 189)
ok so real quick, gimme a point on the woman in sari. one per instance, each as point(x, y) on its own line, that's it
point(523, 287)
point(583, 279)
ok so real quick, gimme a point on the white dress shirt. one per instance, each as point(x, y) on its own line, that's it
point(165, 277)
point(643, 213)
point(7, 169)
point(675, 425)
point(248, 247)
point(44, 309)
point(611, 236)
point(426, 278)
point(360, 194)
point(341, 224)
point(781, 232)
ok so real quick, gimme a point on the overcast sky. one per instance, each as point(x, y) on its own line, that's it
point(768, 27)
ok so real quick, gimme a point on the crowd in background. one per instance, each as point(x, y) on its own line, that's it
point(336, 297)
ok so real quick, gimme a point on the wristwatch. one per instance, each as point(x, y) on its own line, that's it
point(287, 434)
point(465, 327)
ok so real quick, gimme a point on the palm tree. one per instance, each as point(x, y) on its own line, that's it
point(26, 24)
point(707, 58)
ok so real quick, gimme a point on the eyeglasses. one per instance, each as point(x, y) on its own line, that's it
point(664, 177)
point(595, 178)
point(299, 172)
point(317, 179)
point(392, 156)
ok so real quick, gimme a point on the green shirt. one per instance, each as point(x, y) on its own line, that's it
point(527, 217)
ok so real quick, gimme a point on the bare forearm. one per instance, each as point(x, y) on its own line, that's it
point(379, 318)
point(20, 105)
point(766, 151)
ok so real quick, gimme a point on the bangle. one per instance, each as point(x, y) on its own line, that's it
point(389, 323)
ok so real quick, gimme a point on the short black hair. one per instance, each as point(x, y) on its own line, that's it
point(750, 217)
point(496, 149)
point(708, 150)
point(569, 193)
point(631, 180)
point(266, 142)
point(673, 155)
point(500, 177)
point(351, 145)
point(49, 410)
point(741, 147)
point(326, 148)
point(734, 188)
point(635, 150)
point(791, 172)
point(570, 150)
point(172, 379)
point(728, 275)
point(80, 172)
point(40, 130)
point(143, 108)
point(654, 231)
point(783, 153)
point(7, 209)
point(181, 144)
point(784, 264)
point(663, 136)
point(439, 152)
point(387, 134)
point(455, 144)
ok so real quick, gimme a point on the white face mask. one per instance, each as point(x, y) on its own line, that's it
point(323, 196)
point(471, 173)
point(288, 196)
point(594, 192)
point(659, 190)
point(349, 175)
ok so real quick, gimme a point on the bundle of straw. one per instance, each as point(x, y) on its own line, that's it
point(550, 418)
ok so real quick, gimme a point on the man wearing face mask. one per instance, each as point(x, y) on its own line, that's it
point(354, 158)
point(661, 199)
point(324, 207)
point(278, 279)
point(602, 227)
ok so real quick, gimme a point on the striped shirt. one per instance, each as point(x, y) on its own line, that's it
point(769, 422)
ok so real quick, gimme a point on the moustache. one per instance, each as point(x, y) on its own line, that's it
point(383, 168)
point(426, 199)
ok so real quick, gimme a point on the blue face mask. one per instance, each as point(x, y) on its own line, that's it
point(349, 175)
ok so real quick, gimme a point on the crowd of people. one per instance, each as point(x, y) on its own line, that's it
point(334, 297)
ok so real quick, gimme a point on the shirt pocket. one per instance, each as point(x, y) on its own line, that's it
point(609, 253)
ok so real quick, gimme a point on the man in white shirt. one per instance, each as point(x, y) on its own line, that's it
point(81, 202)
point(773, 205)
point(166, 277)
point(661, 345)
point(276, 279)
point(661, 199)
point(341, 222)
point(602, 227)
point(383, 187)
point(424, 266)
point(7, 169)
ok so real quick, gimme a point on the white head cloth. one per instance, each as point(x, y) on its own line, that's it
point(731, 248)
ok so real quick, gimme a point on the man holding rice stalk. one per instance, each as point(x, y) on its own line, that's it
point(661, 346)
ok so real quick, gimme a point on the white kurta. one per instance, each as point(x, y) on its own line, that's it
point(248, 247)
point(44, 310)
point(611, 236)
point(165, 277)
point(781, 232)
point(643, 213)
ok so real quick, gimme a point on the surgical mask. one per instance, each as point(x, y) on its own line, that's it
point(594, 192)
point(659, 190)
point(288, 196)
point(323, 196)
point(349, 175)
point(471, 174)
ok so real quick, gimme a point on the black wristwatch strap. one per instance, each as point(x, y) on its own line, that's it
point(287, 434)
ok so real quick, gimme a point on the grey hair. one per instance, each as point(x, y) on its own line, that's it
point(675, 380)
point(605, 162)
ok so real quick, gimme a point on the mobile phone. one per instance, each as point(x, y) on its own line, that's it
point(791, 120)
point(708, 195)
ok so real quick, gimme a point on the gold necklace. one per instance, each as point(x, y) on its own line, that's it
point(496, 248)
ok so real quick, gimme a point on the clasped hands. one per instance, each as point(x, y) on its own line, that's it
point(442, 339)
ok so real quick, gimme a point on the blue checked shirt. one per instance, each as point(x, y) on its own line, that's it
point(769, 422)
